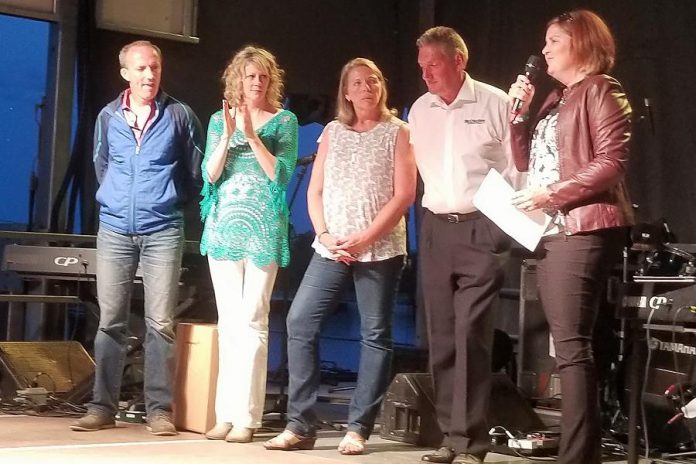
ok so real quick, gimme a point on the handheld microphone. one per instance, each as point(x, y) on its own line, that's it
point(532, 69)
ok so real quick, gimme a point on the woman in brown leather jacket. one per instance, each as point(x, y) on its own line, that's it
point(575, 150)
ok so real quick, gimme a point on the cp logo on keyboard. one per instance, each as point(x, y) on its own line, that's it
point(65, 261)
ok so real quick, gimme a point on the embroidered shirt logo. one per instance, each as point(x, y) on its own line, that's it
point(474, 121)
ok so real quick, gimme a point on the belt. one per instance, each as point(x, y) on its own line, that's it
point(455, 218)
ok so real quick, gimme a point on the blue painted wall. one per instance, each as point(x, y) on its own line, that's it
point(22, 86)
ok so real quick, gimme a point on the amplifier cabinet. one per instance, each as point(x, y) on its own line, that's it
point(672, 365)
point(535, 365)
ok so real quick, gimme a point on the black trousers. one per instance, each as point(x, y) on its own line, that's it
point(571, 275)
point(461, 273)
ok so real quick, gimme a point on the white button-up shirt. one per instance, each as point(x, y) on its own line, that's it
point(457, 144)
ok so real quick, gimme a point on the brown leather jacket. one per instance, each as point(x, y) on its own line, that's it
point(593, 133)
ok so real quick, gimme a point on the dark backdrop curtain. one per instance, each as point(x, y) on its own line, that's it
point(656, 60)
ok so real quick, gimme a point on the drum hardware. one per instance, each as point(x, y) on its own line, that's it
point(667, 260)
point(657, 255)
point(648, 236)
point(682, 398)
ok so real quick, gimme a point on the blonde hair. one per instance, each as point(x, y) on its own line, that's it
point(447, 38)
point(234, 74)
point(138, 43)
point(345, 113)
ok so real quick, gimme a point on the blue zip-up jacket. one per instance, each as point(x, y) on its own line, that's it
point(143, 188)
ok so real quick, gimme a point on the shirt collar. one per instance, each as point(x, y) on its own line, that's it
point(466, 94)
point(130, 116)
point(125, 101)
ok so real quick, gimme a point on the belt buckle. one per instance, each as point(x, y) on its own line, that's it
point(452, 218)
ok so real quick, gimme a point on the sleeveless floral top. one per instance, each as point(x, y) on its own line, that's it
point(245, 213)
point(358, 182)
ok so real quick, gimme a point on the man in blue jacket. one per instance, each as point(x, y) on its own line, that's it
point(147, 155)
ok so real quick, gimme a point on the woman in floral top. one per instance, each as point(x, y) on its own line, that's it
point(363, 181)
point(250, 155)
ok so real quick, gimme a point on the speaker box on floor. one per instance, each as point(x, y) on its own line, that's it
point(408, 410)
point(59, 367)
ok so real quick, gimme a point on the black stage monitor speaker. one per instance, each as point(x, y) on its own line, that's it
point(408, 410)
point(58, 366)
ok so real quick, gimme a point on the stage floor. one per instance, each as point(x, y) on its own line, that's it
point(34, 440)
point(28, 439)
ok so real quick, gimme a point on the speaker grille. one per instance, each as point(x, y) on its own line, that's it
point(57, 366)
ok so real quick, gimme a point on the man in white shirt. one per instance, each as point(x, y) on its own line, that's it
point(459, 131)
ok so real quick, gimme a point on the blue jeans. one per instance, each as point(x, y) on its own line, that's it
point(375, 290)
point(118, 255)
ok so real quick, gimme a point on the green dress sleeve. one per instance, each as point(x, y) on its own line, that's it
point(210, 189)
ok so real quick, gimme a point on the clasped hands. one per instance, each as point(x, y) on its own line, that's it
point(345, 249)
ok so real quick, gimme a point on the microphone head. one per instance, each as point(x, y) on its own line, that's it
point(534, 66)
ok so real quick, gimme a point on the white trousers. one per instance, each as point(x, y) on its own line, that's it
point(243, 298)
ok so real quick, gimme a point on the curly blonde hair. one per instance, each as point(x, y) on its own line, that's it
point(345, 112)
point(234, 74)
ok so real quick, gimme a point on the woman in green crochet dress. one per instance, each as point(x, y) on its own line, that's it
point(250, 155)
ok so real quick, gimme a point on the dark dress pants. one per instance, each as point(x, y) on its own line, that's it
point(571, 275)
point(461, 274)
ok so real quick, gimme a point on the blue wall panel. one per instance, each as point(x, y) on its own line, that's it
point(22, 86)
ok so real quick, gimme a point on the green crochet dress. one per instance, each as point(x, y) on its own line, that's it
point(244, 212)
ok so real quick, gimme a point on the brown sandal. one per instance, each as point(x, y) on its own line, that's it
point(288, 441)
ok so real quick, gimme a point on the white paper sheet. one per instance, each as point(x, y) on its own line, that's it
point(493, 200)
